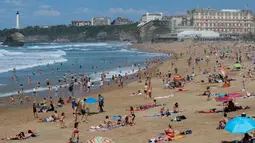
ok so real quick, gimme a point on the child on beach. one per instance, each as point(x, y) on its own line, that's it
point(61, 120)
point(12, 99)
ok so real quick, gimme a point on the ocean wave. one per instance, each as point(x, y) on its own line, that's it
point(109, 73)
point(25, 91)
point(76, 45)
point(23, 60)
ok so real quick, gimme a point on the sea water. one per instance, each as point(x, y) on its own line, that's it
point(89, 58)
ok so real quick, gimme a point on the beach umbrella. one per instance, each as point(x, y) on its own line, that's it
point(91, 101)
point(237, 65)
point(240, 125)
point(98, 139)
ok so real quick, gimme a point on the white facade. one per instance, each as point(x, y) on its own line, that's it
point(198, 34)
point(151, 16)
point(80, 23)
point(226, 21)
point(17, 20)
point(101, 21)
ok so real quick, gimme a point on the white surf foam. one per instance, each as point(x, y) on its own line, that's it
point(25, 91)
point(29, 59)
point(117, 71)
point(77, 45)
point(60, 46)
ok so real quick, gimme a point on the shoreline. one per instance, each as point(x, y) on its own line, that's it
point(5, 101)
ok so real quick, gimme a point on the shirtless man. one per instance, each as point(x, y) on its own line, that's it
point(84, 111)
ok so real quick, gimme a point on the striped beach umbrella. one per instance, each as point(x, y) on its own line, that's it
point(98, 139)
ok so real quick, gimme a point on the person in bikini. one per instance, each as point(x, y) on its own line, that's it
point(61, 120)
point(132, 112)
point(75, 134)
point(146, 90)
point(176, 108)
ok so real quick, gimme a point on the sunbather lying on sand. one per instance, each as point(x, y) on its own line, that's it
point(47, 120)
point(164, 112)
point(108, 124)
point(232, 107)
point(145, 107)
point(21, 136)
point(170, 134)
point(214, 110)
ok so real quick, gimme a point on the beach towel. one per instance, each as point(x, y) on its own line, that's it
point(177, 137)
point(158, 115)
point(162, 97)
point(98, 129)
point(116, 118)
point(182, 90)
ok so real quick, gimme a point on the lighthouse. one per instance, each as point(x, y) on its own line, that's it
point(17, 20)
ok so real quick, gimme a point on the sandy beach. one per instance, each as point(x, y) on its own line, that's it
point(16, 119)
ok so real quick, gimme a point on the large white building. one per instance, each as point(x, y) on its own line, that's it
point(226, 21)
point(151, 16)
point(101, 21)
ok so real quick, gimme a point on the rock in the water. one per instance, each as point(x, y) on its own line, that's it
point(16, 39)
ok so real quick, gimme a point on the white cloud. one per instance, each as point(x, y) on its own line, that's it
point(47, 13)
point(82, 10)
point(44, 6)
point(126, 11)
point(14, 2)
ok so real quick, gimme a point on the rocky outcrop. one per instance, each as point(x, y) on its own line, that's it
point(16, 39)
point(129, 32)
point(62, 40)
point(153, 30)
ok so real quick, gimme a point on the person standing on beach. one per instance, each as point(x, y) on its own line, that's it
point(146, 90)
point(29, 80)
point(101, 83)
point(35, 110)
point(176, 70)
point(100, 103)
point(84, 111)
point(89, 86)
point(71, 89)
point(243, 83)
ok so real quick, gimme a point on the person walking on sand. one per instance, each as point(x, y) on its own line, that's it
point(61, 120)
point(176, 70)
point(35, 110)
point(243, 83)
point(100, 103)
point(146, 90)
point(84, 111)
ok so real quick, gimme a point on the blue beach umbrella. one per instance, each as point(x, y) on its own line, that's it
point(222, 95)
point(91, 101)
point(240, 125)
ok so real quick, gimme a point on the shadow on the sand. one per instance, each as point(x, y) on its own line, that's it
point(231, 141)
point(94, 113)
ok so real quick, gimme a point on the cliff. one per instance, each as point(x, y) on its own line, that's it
point(16, 39)
point(152, 30)
point(63, 33)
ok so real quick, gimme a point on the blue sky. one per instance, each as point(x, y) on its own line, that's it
point(53, 12)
